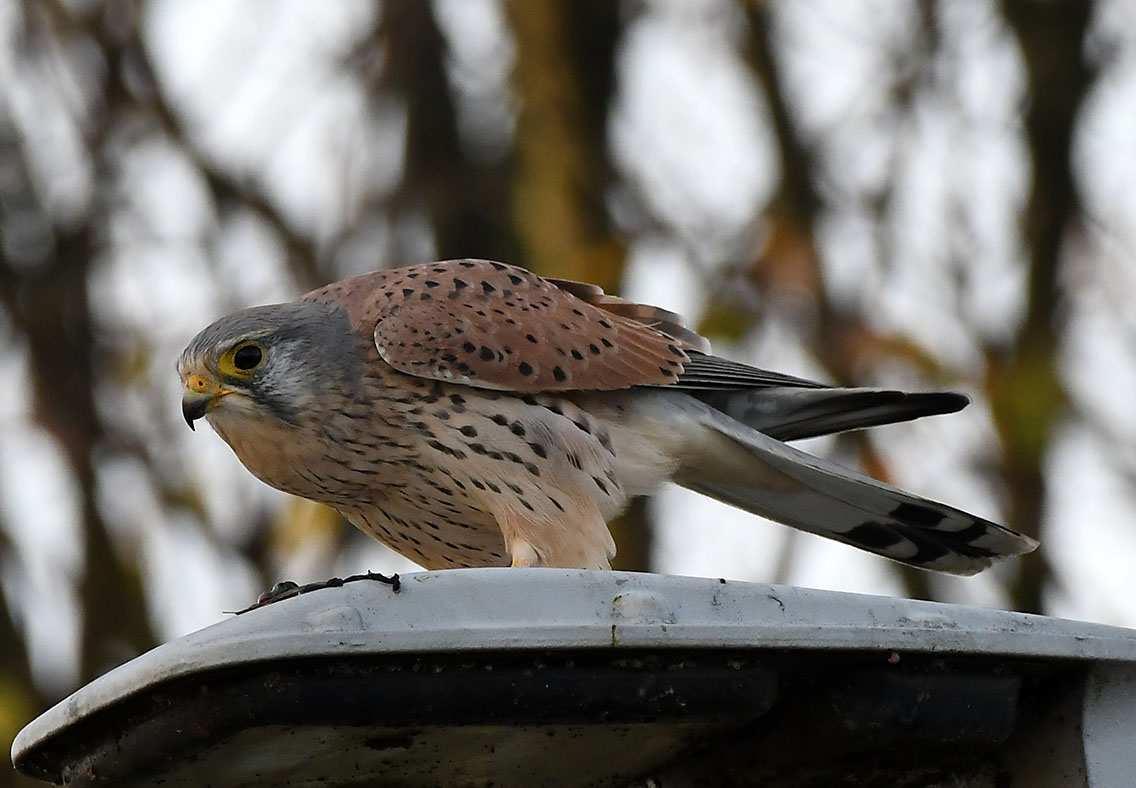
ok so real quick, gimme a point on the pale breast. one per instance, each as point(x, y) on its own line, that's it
point(423, 465)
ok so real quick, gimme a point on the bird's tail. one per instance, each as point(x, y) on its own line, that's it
point(744, 467)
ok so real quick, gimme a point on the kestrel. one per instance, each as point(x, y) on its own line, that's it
point(471, 413)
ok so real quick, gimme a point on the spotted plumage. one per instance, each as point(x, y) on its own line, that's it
point(495, 326)
point(471, 413)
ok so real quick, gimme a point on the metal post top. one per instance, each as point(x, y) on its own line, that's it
point(499, 611)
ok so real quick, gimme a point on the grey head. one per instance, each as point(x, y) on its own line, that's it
point(278, 360)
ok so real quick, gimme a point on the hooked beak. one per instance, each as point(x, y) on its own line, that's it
point(198, 398)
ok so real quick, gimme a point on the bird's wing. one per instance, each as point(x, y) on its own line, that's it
point(669, 323)
point(496, 326)
point(714, 373)
point(792, 413)
point(702, 369)
point(490, 325)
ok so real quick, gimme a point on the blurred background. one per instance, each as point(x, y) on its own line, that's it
point(906, 194)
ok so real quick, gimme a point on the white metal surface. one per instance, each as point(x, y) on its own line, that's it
point(502, 609)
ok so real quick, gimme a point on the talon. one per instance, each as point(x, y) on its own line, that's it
point(393, 581)
point(277, 592)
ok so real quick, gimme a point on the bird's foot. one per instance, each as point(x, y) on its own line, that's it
point(286, 589)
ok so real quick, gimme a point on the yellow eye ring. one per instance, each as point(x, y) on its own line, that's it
point(241, 360)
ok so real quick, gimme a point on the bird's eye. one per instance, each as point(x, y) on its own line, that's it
point(247, 357)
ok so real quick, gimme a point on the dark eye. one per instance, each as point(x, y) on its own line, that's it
point(247, 357)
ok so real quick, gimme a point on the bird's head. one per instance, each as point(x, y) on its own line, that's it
point(268, 365)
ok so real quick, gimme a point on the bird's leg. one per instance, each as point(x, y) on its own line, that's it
point(587, 544)
point(524, 554)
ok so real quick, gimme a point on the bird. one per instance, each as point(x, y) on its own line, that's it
point(471, 413)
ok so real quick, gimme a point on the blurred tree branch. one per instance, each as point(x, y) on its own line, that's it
point(466, 202)
point(790, 259)
point(1026, 395)
point(47, 301)
point(565, 80)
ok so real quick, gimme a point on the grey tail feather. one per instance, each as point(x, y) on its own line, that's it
point(790, 413)
point(762, 475)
